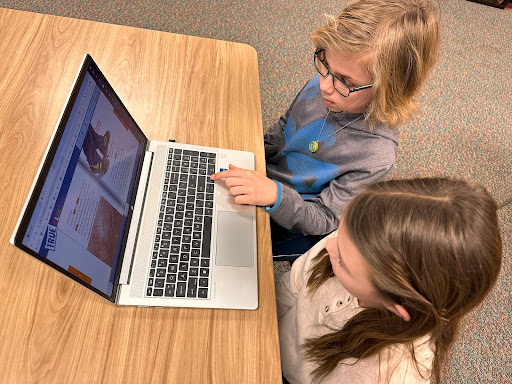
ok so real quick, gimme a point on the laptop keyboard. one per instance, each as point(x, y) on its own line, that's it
point(180, 265)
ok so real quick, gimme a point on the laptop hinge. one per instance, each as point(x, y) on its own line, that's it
point(129, 254)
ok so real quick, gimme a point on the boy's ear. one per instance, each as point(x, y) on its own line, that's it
point(398, 310)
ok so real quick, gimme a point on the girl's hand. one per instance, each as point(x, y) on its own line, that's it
point(248, 187)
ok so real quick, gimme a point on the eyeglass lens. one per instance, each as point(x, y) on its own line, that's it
point(324, 71)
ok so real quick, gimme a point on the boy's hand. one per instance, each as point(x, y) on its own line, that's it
point(248, 187)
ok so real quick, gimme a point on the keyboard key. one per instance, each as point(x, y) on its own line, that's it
point(207, 235)
point(171, 278)
point(192, 181)
point(205, 263)
point(160, 272)
point(202, 293)
point(191, 292)
point(201, 183)
point(183, 267)
point(181, 290)
point(162, 263)
point(205, 272)
point(185, 247)
point(169, 290)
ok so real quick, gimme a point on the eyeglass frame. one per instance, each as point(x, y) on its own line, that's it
point(336, 77)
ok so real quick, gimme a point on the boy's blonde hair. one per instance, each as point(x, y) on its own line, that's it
point(398, 40)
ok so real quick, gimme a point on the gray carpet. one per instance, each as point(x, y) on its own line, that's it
point(463, 129)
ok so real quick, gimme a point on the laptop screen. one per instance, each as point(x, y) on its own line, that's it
point(77, 217)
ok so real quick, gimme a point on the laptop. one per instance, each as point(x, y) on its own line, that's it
point(138, 221)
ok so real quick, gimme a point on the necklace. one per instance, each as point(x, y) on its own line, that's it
point(313, 145)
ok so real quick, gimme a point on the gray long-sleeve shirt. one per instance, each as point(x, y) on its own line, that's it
point(314, 187)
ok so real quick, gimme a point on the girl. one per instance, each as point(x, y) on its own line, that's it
point(381, 301)
point(340, 131)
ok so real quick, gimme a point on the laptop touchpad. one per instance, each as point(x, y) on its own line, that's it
point(235, 239)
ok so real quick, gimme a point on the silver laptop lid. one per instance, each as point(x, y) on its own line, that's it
point(77, 216)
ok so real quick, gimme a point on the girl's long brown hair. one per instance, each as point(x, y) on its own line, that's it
point(431, 245)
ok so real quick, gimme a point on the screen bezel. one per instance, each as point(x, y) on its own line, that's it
point(47, 161)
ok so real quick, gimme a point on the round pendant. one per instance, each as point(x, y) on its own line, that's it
point(313, 146)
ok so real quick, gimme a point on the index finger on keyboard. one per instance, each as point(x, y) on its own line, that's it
point(224, 174)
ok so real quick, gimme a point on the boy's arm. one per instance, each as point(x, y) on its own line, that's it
point(320, 215)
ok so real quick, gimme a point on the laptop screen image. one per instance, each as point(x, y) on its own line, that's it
point(78, 216)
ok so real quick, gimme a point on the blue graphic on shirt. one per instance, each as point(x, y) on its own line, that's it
point(311, 176)
point(311, 89)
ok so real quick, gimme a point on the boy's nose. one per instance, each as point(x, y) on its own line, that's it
point(326, 84)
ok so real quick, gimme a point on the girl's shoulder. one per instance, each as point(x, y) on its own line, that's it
point(405, 363)
point(394, 365)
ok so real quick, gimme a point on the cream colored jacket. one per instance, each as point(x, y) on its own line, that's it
point(302, 317)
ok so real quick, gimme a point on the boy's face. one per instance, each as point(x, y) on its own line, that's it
point(353, 72)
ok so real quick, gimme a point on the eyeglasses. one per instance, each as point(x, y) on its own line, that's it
point(339, 85)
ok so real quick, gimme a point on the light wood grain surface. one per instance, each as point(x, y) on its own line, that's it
point(193, 90)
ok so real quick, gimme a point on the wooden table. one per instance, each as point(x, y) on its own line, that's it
point(190, 89)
